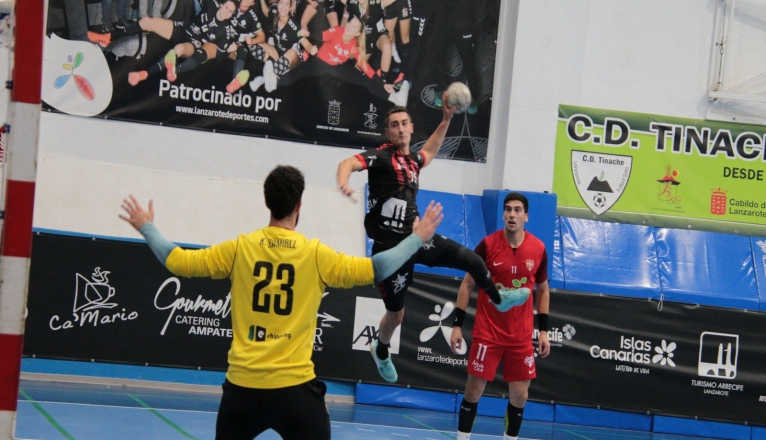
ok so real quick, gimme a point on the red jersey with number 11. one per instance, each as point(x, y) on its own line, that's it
point(521, 267)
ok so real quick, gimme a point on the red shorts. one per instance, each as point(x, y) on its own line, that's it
point(518, 363)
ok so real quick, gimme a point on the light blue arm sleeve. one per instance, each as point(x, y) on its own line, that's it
point(157, 243)
point(385, 263)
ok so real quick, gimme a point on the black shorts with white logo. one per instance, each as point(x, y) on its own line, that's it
point(295, 413)
point(401, 9)
point(439, 251)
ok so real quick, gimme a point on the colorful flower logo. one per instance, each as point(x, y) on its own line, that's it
point(83, 85)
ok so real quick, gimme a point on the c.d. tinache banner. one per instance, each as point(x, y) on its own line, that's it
point(660, 170)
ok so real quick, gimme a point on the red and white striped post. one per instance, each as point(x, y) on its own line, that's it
point(21, 171)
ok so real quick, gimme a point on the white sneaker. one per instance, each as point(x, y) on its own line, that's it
point(403, 93)
point(400, 97)
point(395, 54)
point(269, 76)
point(256, 83)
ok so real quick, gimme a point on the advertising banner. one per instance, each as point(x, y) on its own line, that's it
point(159, 69)
point(657, 358)
point(660, 170)
point(112, 301)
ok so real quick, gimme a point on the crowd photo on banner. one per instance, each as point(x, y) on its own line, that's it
point(318, 71)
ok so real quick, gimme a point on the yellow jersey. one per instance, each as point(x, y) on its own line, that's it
point(278, 277)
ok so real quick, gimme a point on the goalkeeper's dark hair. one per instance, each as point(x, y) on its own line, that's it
point(283, 190)
point(397, 109)
point(517, 196)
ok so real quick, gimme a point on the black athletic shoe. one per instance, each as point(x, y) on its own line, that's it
point(121, 24)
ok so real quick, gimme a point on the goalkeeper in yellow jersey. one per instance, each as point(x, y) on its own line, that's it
point(277, 278)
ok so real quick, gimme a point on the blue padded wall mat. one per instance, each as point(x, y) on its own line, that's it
point(156, 374)
point(758, 433)
point(610, 258)
point(369, 394)
point(604, 418)
point(758, 246)
point(700, 428)
point(706, 268)
point(475, 230)
point(556, 273)
point(122, 371)
point(453, 225)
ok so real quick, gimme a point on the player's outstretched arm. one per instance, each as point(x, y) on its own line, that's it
point(137, 216)
point(463, 296)
point(385, 263)
point(434, 142)
point(142, 219)
point(345, 168)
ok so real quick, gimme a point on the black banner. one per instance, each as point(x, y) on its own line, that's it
point(112, 301)
point(314, 102)
point(667, 358)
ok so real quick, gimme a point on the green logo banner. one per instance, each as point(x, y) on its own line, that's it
point(660, 170)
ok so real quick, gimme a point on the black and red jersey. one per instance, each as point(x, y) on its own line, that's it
point(524, 266)
point(393, 185)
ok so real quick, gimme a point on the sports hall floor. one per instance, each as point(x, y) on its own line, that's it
point(61, 410)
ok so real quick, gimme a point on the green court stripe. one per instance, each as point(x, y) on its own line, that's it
point(163, 418)
point(45, 414)
point(427, 426)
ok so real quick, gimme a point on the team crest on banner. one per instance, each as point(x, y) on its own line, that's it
point(600, 178)
point(333, 113)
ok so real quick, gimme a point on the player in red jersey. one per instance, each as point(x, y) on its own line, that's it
point(340, 43)
point(516, 259)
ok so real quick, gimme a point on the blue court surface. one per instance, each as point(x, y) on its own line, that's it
point(59, 410)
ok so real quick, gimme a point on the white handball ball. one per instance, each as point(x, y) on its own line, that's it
point(458, 95)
